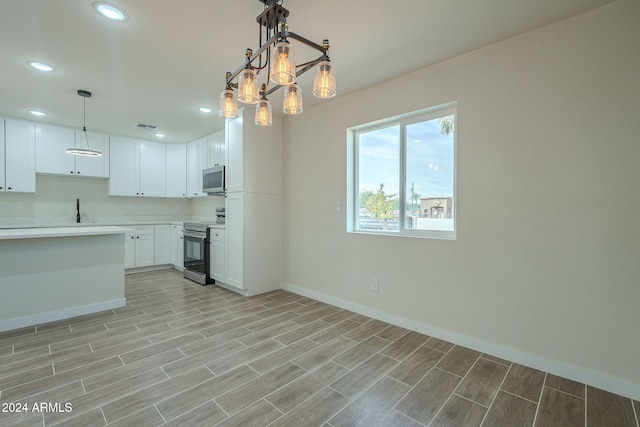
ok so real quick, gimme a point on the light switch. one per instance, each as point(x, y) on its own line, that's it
point(338, 207)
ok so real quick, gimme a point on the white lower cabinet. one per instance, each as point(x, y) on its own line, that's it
point(177, 247)
point(162, 244)
point(139, 248)
point(253, 229)
point(217, 256)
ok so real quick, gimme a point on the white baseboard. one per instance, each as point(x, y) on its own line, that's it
point(582, 375)
point(52, 316)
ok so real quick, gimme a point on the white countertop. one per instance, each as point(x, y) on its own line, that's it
point(34, 233)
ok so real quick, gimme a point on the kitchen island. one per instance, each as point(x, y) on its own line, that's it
point(49, 274)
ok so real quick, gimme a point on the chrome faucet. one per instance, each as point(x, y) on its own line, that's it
point(78, 211)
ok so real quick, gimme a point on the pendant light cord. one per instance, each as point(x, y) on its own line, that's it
point(84, 121)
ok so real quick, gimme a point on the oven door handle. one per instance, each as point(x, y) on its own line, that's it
point(194, 234)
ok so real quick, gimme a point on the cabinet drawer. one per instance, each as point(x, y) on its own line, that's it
point(216, 235)
point(140, 230)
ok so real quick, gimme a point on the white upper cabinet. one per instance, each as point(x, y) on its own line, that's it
point(52, 158)
point(137, 168)
point(123, 169)
point(153, 169)
point(254, 155)
point(197, 160)
point(176, 170)
point(18, 167)
point(217, 148)
point(51, 150)
point(95, 167)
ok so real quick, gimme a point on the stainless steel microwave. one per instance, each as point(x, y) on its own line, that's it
point(213, 180)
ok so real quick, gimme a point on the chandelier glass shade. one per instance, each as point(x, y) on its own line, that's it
point(263, 113)
point(228, 105)
point(283, 65)
point(292, 100)
point(276, 58)
point(324, 82)
point(248, 91)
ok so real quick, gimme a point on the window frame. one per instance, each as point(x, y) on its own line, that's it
point(404, 120)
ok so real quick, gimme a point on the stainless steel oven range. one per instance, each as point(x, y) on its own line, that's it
point(196, 252)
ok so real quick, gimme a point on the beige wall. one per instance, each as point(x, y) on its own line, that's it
point(548, 129)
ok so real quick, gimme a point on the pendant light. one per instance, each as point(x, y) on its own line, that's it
point(283, 65)
point(78, 151)
point(263, 109)
point(324, 82)
point(292, 99)
point(248, 87)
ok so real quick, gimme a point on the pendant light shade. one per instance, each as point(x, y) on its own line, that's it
point(228, 105)
point(292, 100)
point(248, 92)
point(283, 64)
point(263, 113)
point(324, 83)
point(79, 151)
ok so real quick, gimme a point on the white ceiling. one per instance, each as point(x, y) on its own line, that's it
point(170, 56)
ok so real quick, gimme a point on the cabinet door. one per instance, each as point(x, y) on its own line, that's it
point(144, 250)
point(123, 167)
point(177, 246)
point(96, 167)
point(235, 155)
point(162, 244)
point(2, 175)
point(129, 250)
point(217, 260)
point(235, 239)
point(176, 170)
point(153, 169)
point(51, 150)
point(193, 177)
point(216, 148)
point(20, 156)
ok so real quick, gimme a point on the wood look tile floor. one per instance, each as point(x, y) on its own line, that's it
point(181, 354)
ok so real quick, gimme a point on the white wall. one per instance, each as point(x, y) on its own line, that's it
point(55, 203)
point(548, 135)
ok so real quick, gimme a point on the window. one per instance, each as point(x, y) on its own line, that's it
point(401, 175)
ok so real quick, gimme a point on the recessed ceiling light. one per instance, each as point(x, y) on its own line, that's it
point(205, 109)
point(40, 66)
point(160, 135)
point(110, 11)
point(37, 113)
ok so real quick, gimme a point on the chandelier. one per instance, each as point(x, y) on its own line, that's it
point(276, 56)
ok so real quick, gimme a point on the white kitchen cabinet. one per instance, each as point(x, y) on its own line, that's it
point(123, 168)
point(197, 160)
point(217, 255)
point(139, 248)
point(217, 148)
point(18, 159)
point(253, 228)
point(162, 244)
point(52, 158)
point(137, 168)
point(254, 155)
point(93, 167)
point(177, 247)
point(176, 170)
point(51, 150)
point(153, 169)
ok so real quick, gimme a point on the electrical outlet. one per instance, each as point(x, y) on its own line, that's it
point(131, 208)
point(375, 285)
point(16, 206)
